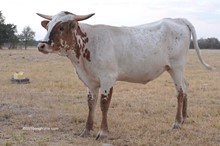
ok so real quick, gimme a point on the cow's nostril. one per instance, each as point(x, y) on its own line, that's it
point(41, 46)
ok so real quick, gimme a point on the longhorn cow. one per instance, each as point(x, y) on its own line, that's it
point(103, 54)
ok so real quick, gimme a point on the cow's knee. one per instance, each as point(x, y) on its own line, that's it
point(105, 99)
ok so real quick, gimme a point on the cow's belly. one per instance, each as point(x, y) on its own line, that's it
point(141, 75)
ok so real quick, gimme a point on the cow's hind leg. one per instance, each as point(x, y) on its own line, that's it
point(104, 103)
point(92, 100)
point(185, 101)
point(182, 89)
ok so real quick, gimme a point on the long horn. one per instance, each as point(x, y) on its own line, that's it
point(83, 17)
point(48, 17)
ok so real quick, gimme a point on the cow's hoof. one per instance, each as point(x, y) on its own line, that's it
point(101, 135)
point(176, 125)
point(85, 133)
point(184, 120)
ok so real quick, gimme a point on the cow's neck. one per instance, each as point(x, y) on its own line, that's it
point(83, 70)
point(80, 57)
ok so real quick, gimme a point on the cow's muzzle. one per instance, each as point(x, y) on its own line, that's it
point(42, 47)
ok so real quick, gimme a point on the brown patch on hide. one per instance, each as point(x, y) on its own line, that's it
point(68, 35)
point(81, 41)
point(86, 55)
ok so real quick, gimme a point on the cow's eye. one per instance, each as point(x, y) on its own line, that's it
point(61, 29)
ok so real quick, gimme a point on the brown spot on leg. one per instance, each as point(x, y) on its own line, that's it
point(184, 108)
point(104, 103)
point(91, 105)
point(179, 116)
point(185, 101)
point(92, 100)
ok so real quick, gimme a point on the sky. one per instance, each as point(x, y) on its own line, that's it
point(203, 14)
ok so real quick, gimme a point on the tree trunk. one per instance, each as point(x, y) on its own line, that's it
point(25, 45)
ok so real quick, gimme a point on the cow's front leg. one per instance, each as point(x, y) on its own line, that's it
point(92, 100)
point(104, 103)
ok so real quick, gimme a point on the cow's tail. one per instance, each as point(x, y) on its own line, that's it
point(195, 44)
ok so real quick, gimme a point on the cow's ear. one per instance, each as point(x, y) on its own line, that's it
point(44, 23)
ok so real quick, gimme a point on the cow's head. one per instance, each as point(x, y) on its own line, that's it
point(62, 30)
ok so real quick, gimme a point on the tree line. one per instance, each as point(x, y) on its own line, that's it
point(10, 39)
point(208, 43)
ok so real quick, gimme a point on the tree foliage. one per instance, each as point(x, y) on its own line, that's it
point(209, 43)
point(7, 32)
point(2, 18)
point(27, 36)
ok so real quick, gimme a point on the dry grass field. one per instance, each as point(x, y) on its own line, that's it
point(52, 109)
